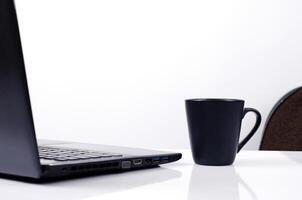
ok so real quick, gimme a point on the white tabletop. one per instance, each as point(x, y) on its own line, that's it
point(254, 175)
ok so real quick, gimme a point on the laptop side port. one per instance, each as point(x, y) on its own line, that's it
point(126, 164)
point(148, 161)
point(165, 159)
point(137, 162)
point(155, 160)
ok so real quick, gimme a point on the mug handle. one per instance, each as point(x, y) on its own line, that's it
point(254, 129)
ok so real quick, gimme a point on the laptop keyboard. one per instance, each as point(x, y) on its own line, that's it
point(64, 154)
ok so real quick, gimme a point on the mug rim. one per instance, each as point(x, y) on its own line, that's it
point(213, 100)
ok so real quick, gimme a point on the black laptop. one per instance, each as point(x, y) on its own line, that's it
point(20, 154)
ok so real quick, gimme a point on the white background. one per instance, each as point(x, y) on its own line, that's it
point(118, 71)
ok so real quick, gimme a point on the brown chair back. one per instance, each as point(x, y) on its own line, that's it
point(283, 129)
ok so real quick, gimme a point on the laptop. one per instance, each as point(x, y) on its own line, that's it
point(21, 155)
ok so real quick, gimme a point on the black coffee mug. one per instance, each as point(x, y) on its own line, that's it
point(214, 129)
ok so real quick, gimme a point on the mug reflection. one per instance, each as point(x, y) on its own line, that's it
point(216, 183)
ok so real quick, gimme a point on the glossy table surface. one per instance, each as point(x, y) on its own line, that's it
point(254, 175)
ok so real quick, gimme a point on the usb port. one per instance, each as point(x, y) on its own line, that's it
point(165, 159)
point(155, 160)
